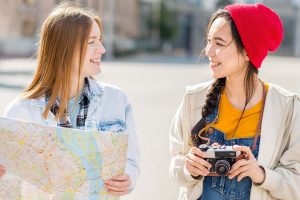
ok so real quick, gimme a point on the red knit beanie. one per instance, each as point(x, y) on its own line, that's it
point(260, 29)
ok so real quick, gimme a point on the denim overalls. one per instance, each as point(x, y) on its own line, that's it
point(221, 187)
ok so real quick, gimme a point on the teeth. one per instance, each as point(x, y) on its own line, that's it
point(215, 63)
point(95, 60)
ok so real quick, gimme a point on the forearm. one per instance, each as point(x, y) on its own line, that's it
point(281, 183)
point(133, 152)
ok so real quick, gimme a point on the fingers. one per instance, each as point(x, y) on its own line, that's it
point(116, 193)
point(196, 151)
point(243, 175)
point(243, 167)
point(196, 169)
point(238, 171)
point(239, 164)
point(122, 177)
point(118, 185)
point(2, 170)
point(195, 163)
point(245, 149)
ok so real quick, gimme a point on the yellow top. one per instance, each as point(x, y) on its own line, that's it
point(229, 117)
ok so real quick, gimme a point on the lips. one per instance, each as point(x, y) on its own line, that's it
point(214, 64)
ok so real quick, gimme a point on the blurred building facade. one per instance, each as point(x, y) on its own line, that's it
point(193, 15)
point(22, 19)
point(289, 11)
point(137, 25)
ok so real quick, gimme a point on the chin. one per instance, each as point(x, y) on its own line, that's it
point(216, 75)
point(96, 71)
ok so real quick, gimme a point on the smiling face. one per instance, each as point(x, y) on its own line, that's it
point(92, 57)
point(222, 52)
point(94, 52)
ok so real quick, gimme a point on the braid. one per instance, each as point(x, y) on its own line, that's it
point(211, 102)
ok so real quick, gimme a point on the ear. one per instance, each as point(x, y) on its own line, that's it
point(245, 55)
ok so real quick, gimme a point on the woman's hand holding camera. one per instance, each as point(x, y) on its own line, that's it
point(195, 164)
point(247, 167)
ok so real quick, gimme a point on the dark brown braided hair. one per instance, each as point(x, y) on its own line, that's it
point(218, 86)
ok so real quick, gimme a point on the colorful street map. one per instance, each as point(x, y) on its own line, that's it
point(59, 163)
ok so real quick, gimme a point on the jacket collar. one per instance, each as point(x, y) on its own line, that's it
point(95, 89)
point(274, 130)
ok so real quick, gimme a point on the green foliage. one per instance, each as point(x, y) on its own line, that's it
point(222, 3)
point(167, 22)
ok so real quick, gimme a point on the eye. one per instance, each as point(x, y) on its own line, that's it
point(219, 44)
point(91, 42)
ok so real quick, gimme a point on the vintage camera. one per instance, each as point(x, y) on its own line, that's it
point(221, 158)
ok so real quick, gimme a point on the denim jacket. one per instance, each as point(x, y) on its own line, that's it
point(109, 110)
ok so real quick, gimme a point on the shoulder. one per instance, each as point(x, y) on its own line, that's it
point(113, 93)
point(17, 103)
point(195, 95)
point(280, 91)
point(98, 87)
point(18, 107)
point(110, 94)
point(113, 89)
point(198, 88)
point(281, 99)
point(197, 92)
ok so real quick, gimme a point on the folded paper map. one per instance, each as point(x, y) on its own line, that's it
point(61, 163)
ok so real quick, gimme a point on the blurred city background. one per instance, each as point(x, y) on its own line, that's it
point(131, 27)
point(153, 49)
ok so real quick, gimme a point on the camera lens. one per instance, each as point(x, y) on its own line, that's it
point(222, 167)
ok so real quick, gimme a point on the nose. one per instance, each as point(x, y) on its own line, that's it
point(100, 49)
point(209, 50)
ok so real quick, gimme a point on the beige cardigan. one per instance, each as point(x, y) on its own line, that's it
point(279, 145)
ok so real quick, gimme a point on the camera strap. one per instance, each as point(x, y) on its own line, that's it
point(258, 129)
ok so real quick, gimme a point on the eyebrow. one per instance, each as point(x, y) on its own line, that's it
point(218, 38)
point(94, 37)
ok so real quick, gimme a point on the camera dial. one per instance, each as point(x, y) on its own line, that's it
point(203, 147)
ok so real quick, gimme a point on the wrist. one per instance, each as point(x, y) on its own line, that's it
point(263, 177)
point(196, 177)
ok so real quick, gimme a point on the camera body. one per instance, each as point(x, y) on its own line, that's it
point(221, 158)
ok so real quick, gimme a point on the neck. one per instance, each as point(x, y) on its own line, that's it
point(74, 86)
point(235, 88)
point(235, 91)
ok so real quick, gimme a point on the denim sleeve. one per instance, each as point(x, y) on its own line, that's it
point(18, 110)
point(133, 152)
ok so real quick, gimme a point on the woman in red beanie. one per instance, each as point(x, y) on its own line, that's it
point(238, 137)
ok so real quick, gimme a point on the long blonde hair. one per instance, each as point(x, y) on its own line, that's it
point(64, 33)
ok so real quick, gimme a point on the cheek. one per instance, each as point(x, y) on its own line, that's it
point(225, 54)
point(87, 56)
point(229, 58)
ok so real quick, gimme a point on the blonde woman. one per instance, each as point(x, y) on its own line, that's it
point(64, 93)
